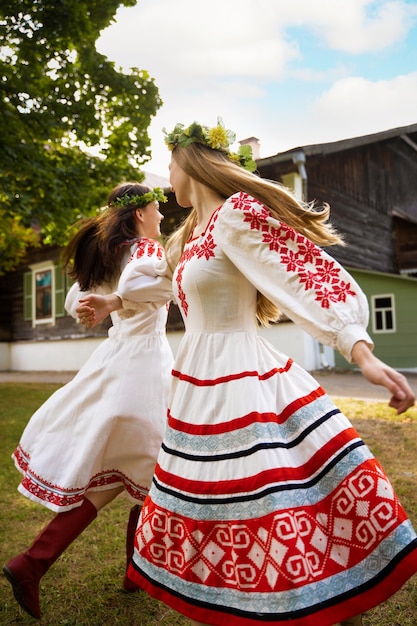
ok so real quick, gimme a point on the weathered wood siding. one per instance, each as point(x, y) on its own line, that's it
point(13, 324)
point(366, 187)
point(6, 299)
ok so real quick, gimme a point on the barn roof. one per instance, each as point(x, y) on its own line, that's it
point(406, 133)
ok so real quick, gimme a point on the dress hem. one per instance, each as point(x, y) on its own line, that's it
point(327, 616)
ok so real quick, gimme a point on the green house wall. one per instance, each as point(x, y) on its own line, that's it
point(399, 348)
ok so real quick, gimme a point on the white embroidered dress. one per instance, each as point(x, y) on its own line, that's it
point(266, 506)
point(105, 427)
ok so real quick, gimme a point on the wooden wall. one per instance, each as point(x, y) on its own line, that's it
point(365, 186)
point(13, 326)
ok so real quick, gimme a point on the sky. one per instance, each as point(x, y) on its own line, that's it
point(290, 73)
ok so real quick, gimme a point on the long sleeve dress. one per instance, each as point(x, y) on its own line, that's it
point(266, 506)
point(105, 427)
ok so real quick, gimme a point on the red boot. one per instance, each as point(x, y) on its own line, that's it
point(128, 585)
point(25, 571)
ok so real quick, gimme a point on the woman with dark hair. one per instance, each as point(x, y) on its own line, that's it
point(100, 434)
point(266, 506)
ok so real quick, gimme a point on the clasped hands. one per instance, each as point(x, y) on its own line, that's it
point(94, 308)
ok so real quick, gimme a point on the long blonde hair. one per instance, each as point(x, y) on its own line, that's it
point(214, 169)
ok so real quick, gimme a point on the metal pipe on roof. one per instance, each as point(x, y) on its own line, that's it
point(299, 159)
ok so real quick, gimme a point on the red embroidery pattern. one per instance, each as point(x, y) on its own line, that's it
point(296, 252)
point(285, 549)
point(59, 496)
point(147, 247)
point(204, 249)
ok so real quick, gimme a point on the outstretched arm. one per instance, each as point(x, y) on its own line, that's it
point(306, 284)
point(379, 373)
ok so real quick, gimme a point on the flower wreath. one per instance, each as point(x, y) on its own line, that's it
point(156, 195)
point(216, 138)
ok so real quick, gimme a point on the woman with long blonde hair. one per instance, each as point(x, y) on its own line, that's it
point(266, 506)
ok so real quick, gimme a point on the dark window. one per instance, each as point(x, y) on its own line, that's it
point(383, 314)
point(43, 289)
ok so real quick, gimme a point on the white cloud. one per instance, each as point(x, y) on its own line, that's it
point(246, 38)
point(358, 103)
point(354, 26)
point(240, 59)
point(192, 40)
point(360, 26)
point(350, 108)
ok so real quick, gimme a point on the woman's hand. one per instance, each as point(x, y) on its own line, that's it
point(94, 308)
point(379, 373)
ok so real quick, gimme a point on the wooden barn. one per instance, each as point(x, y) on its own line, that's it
point(370, 183)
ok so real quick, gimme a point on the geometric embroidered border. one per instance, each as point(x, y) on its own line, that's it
point(283, 549)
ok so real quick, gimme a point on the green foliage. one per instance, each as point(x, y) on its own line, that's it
point(71, 125)
point(14, 239)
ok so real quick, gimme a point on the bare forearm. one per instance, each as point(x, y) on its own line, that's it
point(379, 373)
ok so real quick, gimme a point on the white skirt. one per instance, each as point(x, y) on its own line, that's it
point(103, 429)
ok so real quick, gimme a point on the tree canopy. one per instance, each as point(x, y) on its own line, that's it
point(71, 125)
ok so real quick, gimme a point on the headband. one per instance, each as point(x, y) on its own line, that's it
point(156, 195)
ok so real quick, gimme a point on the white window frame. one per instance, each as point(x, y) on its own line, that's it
point(375, 310)
point(43, 267)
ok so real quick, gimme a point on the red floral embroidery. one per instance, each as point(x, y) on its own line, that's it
point(181, 294)
point(326, 271)
point(324, 275)
point(147, 247)
point(308, 278)
point(205, 249)
point(308, 250)
point(291, 260)
point(273, 237)
point(256, 218)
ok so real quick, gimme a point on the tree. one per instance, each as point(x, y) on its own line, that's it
point(71, 125)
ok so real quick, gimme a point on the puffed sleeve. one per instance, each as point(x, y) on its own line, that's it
point(145, 278)
point(72, 299)
point(300, 278)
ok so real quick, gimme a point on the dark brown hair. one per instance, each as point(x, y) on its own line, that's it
point(94, 254)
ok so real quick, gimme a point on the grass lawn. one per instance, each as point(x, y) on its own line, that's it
point(83, 588)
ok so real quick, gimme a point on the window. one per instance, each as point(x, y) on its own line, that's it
point(43, 294)
point(383, 313)
point(44, 289)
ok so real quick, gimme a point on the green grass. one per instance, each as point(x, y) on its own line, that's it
point(84, 587)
